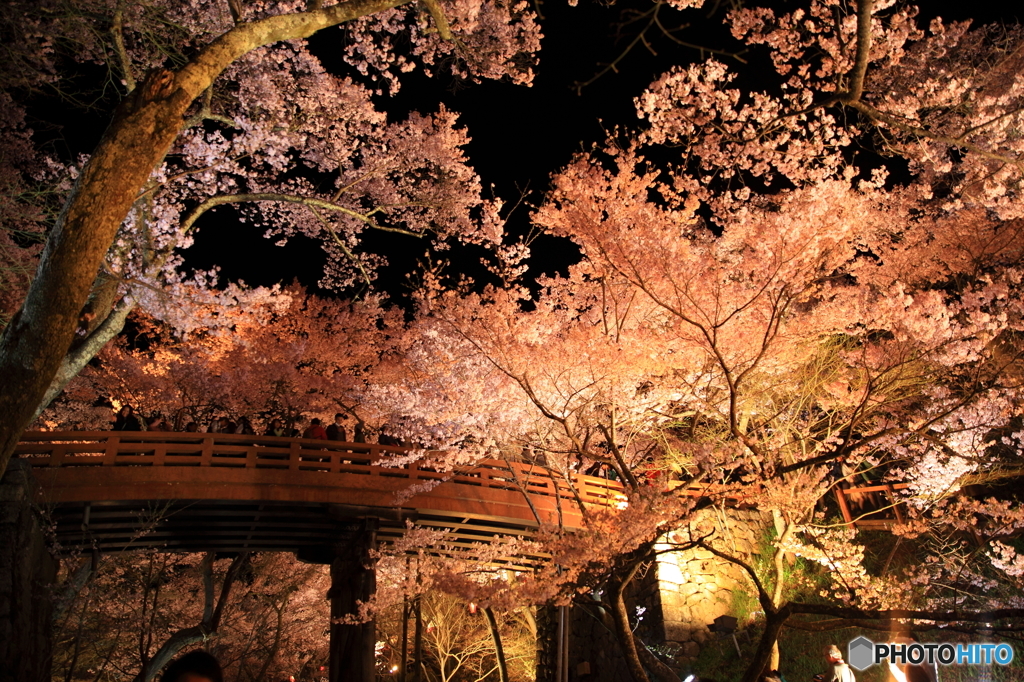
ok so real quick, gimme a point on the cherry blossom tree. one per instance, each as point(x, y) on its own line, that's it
point(774, 286)
point(759, 308)
point(263, 615)
point(243, 102)
point(307, 356)
point(872, 334)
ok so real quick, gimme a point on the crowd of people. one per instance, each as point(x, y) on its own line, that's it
point(127, 420)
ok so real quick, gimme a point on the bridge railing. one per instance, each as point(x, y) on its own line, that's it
point(871, 507)
point(173, 449)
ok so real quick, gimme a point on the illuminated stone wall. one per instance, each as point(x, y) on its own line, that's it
point(670, 602)
point(695, 586)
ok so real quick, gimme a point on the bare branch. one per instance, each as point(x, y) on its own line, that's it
point(223, 199)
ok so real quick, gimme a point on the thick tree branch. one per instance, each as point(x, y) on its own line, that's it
point(440, 20)
point(143, 128)
point(762, 594)
point(117, 33)
point(860, 64)
point(653, 663)
point(876, 115)
point(77, 358)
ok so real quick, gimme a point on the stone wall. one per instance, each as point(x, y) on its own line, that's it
point(595, 654)
point(680, 593)
point(695, 586)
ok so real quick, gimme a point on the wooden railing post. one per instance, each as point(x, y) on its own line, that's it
point(206, 459)
point(57, 455)
point(110, 453)
point(844, 506)
point(159, 454)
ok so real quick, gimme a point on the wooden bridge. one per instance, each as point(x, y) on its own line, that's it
point(326, 501)
point(111, 491)
point(202, 491)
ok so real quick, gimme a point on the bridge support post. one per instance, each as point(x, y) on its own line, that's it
point(27, 574)
point(353, 579)
point(549, 644)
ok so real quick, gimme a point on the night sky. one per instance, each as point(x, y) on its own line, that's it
point(520, 135)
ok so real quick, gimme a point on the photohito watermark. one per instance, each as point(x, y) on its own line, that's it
point(863, 653)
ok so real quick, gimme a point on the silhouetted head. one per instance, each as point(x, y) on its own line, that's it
point(195, 666)
point(315, 421)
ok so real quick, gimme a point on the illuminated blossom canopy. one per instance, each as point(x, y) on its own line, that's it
point(778, 287)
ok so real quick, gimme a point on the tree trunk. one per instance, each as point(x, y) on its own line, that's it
point(785, 530)
point(499, 650)
point(143, 128)
point(419, 671)
point(353, 582)
point(620, 623)
point(769, 640)
point(27, 574)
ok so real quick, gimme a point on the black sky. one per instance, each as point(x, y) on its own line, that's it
point(520, 136)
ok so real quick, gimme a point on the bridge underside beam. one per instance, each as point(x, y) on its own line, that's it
point(229, 526)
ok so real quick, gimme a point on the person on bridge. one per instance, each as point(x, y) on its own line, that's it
point(126, 420)
point(219, 425)
point(276, 428)
point(315, 430)
point(337, 431)
point(195, 666)
point(387, 437)
point(157, 423)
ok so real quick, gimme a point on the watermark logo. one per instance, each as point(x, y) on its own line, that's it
point(862, 653)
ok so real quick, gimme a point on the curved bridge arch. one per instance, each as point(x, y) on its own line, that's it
point(224, 492)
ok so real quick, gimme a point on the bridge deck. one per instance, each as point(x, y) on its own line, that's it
point(225, 492)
